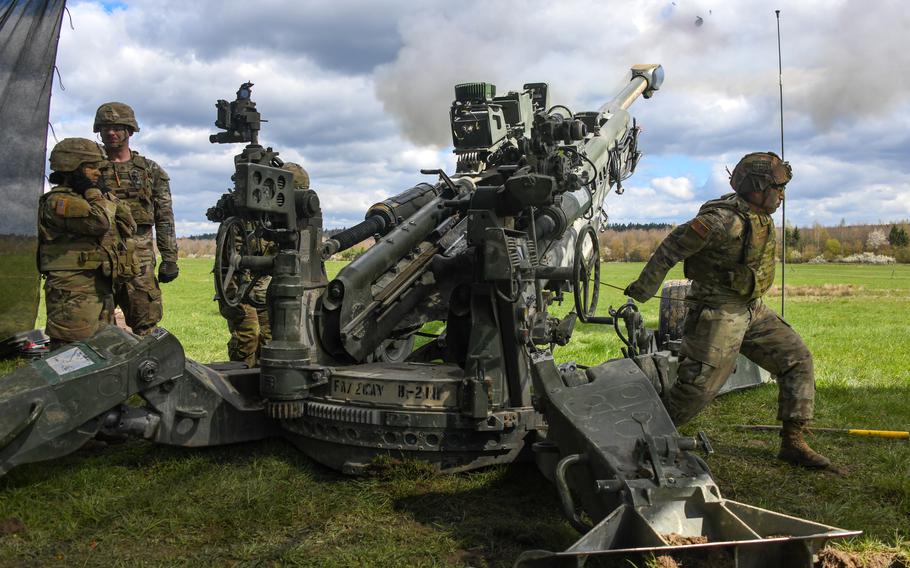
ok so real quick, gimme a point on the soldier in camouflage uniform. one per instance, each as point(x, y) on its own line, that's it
point(728, 249)
point(248, 322)
point(143, 185)
point(85, 243)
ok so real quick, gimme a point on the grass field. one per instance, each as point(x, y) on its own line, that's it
point(266, 504)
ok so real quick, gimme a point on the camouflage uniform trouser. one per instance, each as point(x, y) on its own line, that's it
point(78, 303)
point(140, 298)
point(249, 326)
point(712, 338)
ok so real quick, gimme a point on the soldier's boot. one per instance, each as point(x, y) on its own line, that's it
point(795, 450)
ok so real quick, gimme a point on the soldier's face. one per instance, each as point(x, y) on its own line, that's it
point(92, 171)
point(772, 198)
point(115, 135)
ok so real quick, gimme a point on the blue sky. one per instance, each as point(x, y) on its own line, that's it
point(358, 92)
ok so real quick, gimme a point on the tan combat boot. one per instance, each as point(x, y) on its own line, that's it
point(795, 450)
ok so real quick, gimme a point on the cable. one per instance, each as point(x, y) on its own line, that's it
point(684, 300)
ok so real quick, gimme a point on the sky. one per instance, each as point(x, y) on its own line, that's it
point(359, 92)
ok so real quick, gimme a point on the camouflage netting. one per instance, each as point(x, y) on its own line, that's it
point(29, 31)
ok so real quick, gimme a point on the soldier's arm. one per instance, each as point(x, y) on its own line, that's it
point(84, 216)
point(165, 235)
point(682, 242)
point(126, 225)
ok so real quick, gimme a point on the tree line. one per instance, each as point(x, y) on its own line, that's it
point(831, 243)
point(635, 242)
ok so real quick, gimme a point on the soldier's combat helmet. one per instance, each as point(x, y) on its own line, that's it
point(301, 178)
point(115, 114)
point(758, 171)
point(70, 153)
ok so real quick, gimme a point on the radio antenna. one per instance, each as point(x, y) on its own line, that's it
point(783, 205)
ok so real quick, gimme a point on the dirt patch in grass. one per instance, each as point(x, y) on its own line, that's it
point(473, 557)
point(822, 291)
point(11, 525)
point(702, 558)
point(711, 558)
point(833, 558)
point(827, 558)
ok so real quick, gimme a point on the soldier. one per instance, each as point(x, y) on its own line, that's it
point(85, 243)
point(143, 185)
point(248, 322)
point(728, 249)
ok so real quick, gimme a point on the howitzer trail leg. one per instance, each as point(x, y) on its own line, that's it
point(638, 480)
point(53, 406)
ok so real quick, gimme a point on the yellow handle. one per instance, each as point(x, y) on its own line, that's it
point(881, 433)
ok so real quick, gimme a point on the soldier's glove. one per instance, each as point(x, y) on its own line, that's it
point(167, 272)
point(635, 292)
point(92, 194)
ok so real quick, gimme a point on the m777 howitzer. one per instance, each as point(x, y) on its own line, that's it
point(485, 251)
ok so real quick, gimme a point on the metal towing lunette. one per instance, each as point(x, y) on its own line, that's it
point(485, 251)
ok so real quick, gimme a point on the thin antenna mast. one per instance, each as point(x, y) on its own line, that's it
point(783, 205)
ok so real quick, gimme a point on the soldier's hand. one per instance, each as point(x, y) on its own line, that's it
point(92, 194)
point(167, 272)
point(635, 292)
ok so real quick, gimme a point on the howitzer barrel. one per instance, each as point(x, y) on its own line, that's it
point(611, 154)
point(553, 220)
point(646, 78)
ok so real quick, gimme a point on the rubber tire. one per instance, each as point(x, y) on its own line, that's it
point(672, 311)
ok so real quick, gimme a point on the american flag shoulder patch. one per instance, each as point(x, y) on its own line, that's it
point(700, 228)
point(67, 207)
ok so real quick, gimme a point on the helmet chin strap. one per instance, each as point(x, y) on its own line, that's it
point(116, 145)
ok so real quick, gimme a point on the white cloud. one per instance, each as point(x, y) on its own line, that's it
point(677, 187)
point(359, 92)
point(188, 228)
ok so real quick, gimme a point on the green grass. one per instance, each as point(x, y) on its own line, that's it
point(266, 504)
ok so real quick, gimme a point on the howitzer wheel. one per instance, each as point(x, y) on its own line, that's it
point(586, 273)
point(233, 242)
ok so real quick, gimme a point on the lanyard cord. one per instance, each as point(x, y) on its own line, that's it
point(693, 302)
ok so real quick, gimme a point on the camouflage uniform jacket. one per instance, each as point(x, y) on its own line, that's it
point(728, 249)
point(143, 184)
point(85, 233)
